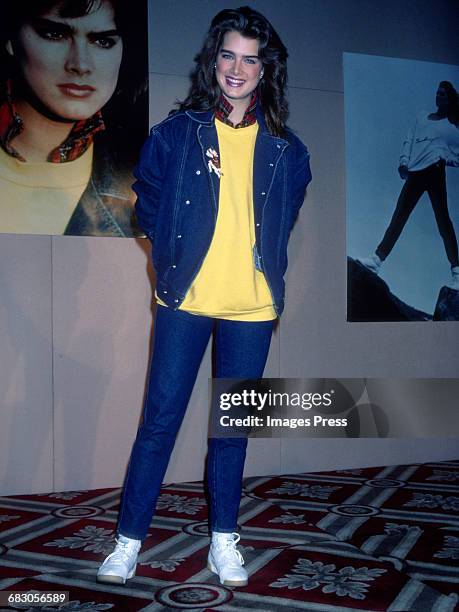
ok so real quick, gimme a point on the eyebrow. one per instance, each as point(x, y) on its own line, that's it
point(233, 53)
point(42, 22)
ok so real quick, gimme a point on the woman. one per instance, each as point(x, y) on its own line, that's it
point(64, 164)
point(432, 143)
point(219, 185)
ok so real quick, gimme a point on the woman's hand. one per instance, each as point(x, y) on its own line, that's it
point(403, 171)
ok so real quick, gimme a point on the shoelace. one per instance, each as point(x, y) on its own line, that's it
point(229, 548)
point(123, 550)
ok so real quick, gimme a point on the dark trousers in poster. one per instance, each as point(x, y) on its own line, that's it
point(433, 181)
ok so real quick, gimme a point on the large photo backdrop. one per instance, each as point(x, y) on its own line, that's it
point(73, 115)
point(384, 97)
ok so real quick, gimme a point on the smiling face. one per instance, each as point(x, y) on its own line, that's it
point(71, 65)
point(238, 68)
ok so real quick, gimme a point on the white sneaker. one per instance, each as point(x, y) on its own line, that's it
point(373, 263)
point(225, 560)
point(120, 565)
point(454, 284)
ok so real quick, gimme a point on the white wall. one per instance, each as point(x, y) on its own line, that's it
point(75, 313)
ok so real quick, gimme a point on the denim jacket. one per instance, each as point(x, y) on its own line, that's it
point(105, 207)
point(178, 198)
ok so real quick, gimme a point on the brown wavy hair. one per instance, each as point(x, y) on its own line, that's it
point(453, 101)
point(204, 92)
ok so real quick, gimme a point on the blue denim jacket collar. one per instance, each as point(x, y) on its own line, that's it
point(204, 117)
point(207, 118)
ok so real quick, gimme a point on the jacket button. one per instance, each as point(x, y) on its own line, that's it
point(258, 225)
point(278, 146)
point(176, 301)
point(174, 266)
point(263, 193)
point(179, 235)
point(271, 165)
point(187, 202)
point(164, 291)
point(198, 171)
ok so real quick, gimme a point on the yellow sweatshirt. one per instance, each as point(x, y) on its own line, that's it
point(40, 197)
point(228, 286)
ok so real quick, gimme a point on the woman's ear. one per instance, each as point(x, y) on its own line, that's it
point(9, 48)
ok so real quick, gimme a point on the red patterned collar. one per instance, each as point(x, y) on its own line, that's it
point(224, 109)
point(76, 143)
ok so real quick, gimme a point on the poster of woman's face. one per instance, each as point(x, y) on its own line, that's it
point(73, 115)
point(402, 188)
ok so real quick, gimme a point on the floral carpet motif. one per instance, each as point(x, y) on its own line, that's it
point(365, 539)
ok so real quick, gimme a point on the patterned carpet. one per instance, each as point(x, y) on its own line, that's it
point(367, 539)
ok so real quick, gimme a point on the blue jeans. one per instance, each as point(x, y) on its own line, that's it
point(180, 341)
